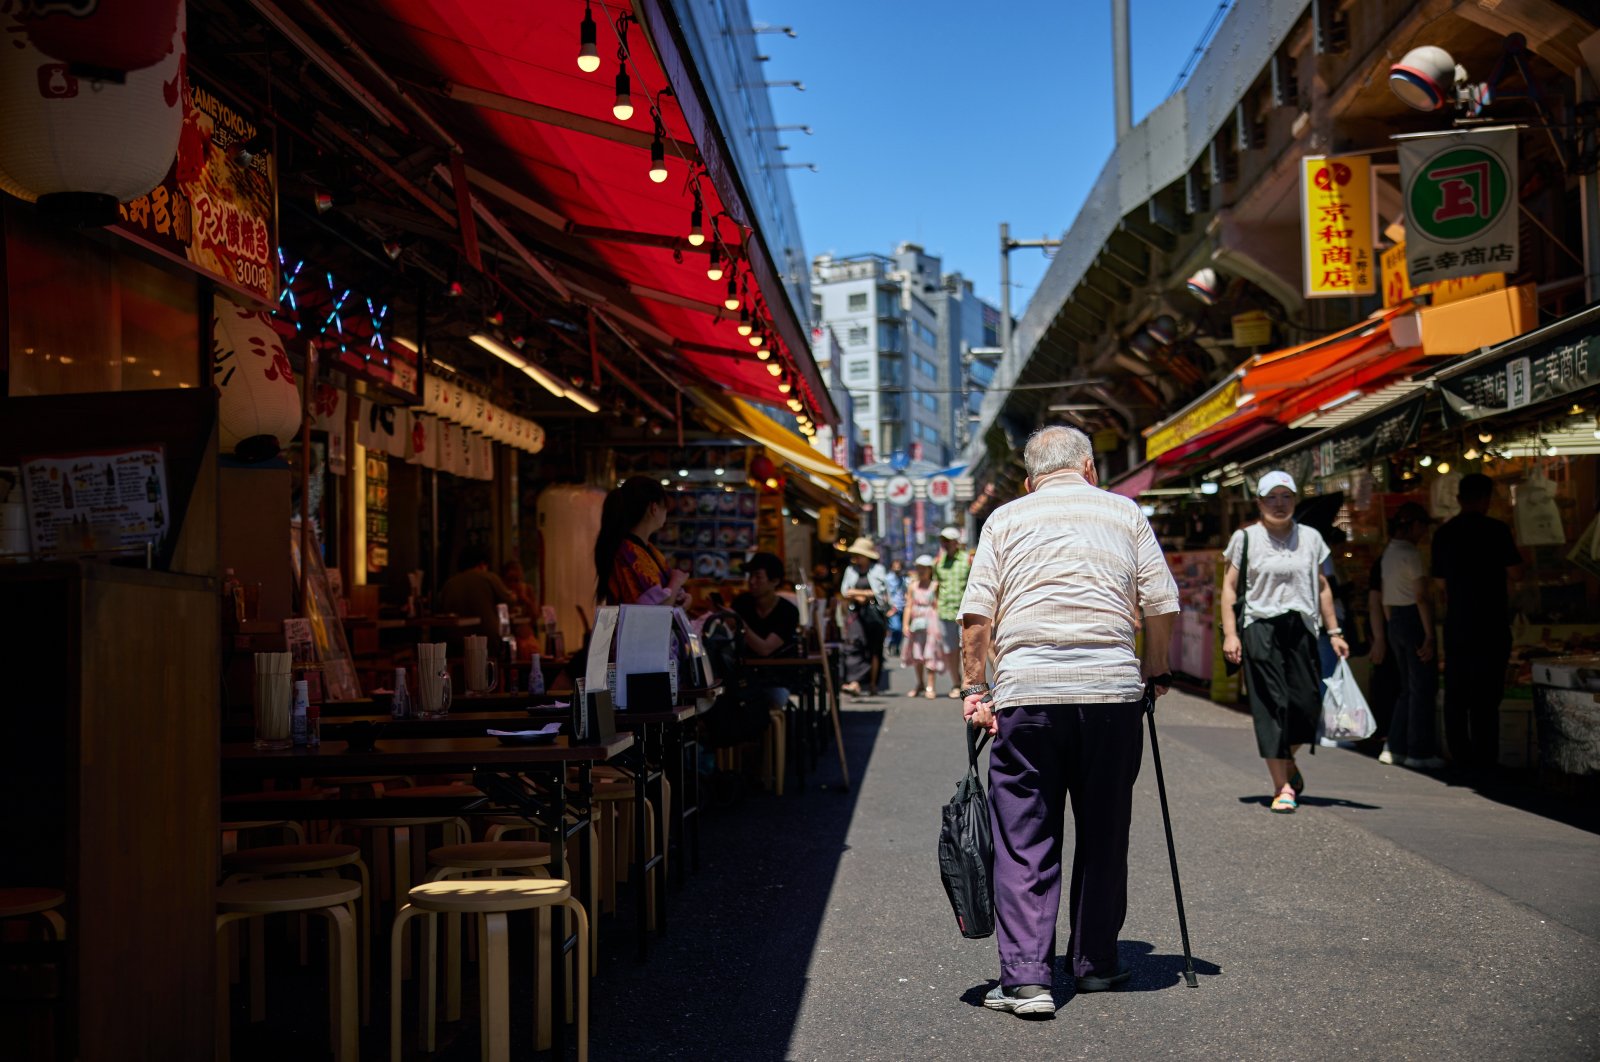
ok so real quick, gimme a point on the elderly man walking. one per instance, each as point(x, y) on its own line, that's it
point(1057, 581)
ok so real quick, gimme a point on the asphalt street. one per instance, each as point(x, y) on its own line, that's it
point(1394, 915)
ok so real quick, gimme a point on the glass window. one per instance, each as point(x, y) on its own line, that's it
point(90, 314)
point(925, 367)
point(888, 304)
point(858, 370)
point(858, 301)
point(858, 336)
point(891, 372)
point(890, 337)
point(924, 333)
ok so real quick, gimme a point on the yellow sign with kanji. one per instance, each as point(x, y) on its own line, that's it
point(1397, 282)
point(1336, 221)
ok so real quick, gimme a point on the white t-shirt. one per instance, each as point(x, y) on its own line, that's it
point(1283, 573)
point(1402, 568)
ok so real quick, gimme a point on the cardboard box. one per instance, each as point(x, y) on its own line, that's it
point(1480, 321)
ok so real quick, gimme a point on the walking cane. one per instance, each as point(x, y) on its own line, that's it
point(1166, 820)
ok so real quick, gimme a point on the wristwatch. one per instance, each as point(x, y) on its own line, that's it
point(968, 691)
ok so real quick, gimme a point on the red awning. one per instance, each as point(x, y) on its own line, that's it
point(539, 136)
point(1136, 482)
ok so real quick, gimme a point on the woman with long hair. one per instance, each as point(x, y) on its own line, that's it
point(1284, 595)
point(628, 569)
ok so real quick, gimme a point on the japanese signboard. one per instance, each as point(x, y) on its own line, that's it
point(109, 501)
point(1252, 328)
point(1540, 373)
point(864, 486)
point(1355, 446)
point(1397, 282)
point(216, 210)
point(1337, 226)
point(899, 491)
point(1205, 414)
point(1460, 194)
point(941, 490)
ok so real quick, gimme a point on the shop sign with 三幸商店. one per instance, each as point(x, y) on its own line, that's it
point(1337, 226)
point(1460, 196)
point(941, 490)
point(1207, 414)
point(1397, 282)
point(216, 210)
point(1540, 373)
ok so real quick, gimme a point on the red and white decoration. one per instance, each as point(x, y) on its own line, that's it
point(450, 402)
point(78, 146)
point(259, 408)
point(109, 37)
point(329, 413)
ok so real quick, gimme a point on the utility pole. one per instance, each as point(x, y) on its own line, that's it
point(1007, 245)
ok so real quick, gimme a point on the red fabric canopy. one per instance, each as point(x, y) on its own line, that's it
point(526, 54)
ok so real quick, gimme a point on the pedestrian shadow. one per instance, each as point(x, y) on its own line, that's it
point(1314, 802)
point(1151, 973)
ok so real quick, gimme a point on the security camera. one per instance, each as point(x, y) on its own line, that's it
point(1427, 78)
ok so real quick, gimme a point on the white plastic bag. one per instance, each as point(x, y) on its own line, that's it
point(1345, 715)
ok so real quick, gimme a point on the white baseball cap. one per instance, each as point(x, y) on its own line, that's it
point(924, 561)
point(1275, 479)
point(951, 533)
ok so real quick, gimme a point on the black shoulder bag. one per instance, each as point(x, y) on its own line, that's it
point(966, 849)
point(1238, 602)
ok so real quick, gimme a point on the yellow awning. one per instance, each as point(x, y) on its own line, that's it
point(742, 417)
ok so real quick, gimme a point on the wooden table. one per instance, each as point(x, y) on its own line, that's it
point(815, 670)
point(499, 764)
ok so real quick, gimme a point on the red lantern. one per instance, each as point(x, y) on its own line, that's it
point(763, 473)
point(103, 39)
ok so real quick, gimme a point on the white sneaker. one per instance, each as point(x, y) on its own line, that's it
point(1386, 757)
point(1425, 763)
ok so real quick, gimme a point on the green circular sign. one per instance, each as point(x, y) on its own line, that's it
point(1457, 194)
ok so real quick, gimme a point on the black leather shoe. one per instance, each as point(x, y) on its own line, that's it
point(1098, 983)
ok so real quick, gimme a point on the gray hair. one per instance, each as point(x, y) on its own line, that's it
point(1054, 448)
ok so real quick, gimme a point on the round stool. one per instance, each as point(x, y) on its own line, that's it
point(278, 860)
point(616, 847)
point(333, 897)
point(490, 899)
point(397, 864)
point(461, 860)
point(42, 901)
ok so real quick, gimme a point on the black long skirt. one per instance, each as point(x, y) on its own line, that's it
point(1284, 681)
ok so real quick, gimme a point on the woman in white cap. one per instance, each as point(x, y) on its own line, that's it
point(865, 589)
point(923, 649)
point(1274, 600)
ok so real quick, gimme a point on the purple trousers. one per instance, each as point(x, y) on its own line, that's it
point(1041, 755)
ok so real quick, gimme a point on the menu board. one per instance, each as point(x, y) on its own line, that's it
point(377, 511)
point(710, 532)
point(111, 501)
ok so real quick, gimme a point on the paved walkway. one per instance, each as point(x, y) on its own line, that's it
point(1394, 915)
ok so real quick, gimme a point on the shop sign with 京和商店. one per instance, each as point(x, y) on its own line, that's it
point(1337, 226)
point(216, 210)
point(1460, 196)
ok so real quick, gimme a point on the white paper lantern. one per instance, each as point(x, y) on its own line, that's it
point(76, 146)
point(259, 408)
point(535, 437)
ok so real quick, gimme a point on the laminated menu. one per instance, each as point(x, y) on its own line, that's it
point(103, 501)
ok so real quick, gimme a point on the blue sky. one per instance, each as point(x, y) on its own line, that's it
point(934, 121)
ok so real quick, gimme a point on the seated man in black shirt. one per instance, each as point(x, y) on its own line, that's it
point(771, 626)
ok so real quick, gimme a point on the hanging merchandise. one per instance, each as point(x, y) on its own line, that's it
point(1538, 516)
point(328, 414)
point(258, 410)
point(1442, 500)
point(79, 146)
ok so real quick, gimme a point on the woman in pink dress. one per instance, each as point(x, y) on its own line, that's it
point(921, 646)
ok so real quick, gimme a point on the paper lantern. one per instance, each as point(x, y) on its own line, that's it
point(106, 39)
point(79, 147)
point(259, 410)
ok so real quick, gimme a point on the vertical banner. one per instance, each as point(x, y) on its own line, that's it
point(1337, 225)
point(1460, 194)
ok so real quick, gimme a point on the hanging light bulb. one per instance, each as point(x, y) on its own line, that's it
point(1427, 459)
point(796, 405)
point(759, 338)
point(623, 107)
point(496, 318)
point(1549, 449)
point(1444, 467)
point(1471, 454)
point(784, 384)
point(1485, 437)
point(658, 149)
point(763, 352)
point(744, 320)
point(714, 268)
point(774, 368)
point(588, 53)
point(731, 301)
point(697, 228)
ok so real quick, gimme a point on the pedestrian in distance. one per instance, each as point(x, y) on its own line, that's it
point(923, 650)
point(1054, 589)
point(1286, 600)
point(951, 571)
point(1476, 558)
point(1408, 607)
point(864, 586)
point(897, 607)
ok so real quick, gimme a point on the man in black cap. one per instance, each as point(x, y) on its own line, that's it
point(1476, 557)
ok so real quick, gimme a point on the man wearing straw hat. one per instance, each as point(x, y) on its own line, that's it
point(865, 589)
point(1055, 586)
